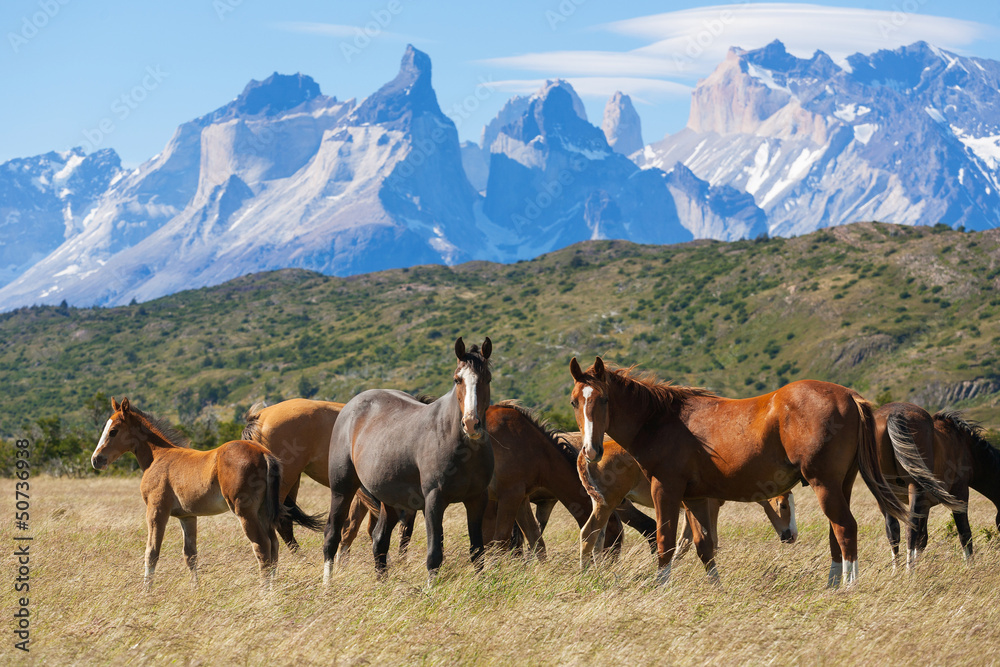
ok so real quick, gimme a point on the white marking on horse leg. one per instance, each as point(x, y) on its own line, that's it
point(663, 575)
point(713, 575)
point(327, 572)
point(911, 559)
point(791, 508)
point(588, 423)
point(836, 571)
point(147, 579)
point(850, 572)
point(967, 552)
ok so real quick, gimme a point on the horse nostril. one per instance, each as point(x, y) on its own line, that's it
point(99, 462)
point(787, 537)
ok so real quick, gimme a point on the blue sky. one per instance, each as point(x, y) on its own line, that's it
point(125, 74)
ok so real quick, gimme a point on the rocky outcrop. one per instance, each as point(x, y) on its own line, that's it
point(621, 125)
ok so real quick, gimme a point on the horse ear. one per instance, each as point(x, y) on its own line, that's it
point(460, 348)
point(114, 404)
point(575, 370)
point(124, 405)
point(599, 368)
point(487, 348)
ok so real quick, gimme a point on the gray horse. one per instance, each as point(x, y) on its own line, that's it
point(414, 456)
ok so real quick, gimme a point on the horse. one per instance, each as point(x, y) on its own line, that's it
point(238, 476)
point(693, 443)
point(531, 460)
point(954, 450)
point(617, 479)
point(297, 432)
point(410, 455)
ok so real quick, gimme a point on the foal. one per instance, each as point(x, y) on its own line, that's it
point(238, 476)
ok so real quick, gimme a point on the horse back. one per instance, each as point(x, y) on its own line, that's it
point(297, 432)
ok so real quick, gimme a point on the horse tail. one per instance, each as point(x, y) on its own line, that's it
point(868, 464)
point(252, 430)
point(913, 463)
point(272, 510)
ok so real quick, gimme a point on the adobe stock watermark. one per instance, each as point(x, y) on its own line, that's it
point(363, 35)
point(32, 24)
point(562, 13)
point(548, 193)
point(225, 7)
point(699, 42)
point(900, 16)
point(123, 106)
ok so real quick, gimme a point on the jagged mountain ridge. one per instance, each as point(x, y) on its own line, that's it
point(910, 136)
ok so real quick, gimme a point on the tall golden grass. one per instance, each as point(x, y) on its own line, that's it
point(89, 607)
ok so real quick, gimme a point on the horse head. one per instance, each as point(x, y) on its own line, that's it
point(781, 511)
point(472, 386)
point(590, 406)
point(115, 440)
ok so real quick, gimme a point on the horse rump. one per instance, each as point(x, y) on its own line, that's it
point(273, 511)
point(868, 464)
point(908, 456)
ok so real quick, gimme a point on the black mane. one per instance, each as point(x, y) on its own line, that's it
point(552, 434)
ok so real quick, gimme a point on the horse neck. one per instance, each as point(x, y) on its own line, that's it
point(149, 444)
point(625, 418)
point(986, 472)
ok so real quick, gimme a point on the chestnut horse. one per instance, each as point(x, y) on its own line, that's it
point(617, 478)
point(694, 444)
point(410, 455)
point(238, 476)
point(954, 449)
point(529, 459)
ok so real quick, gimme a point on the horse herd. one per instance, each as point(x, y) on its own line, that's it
point(386, 454)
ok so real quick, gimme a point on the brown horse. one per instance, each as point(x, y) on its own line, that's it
point(410, 455)
point(530, 459)
point(239, 476)
point(617, 478)
point(694, 444)
point(950, 446)
point(297, 432)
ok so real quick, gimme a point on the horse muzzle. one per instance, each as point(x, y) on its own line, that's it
point(473, 428)
point(592, 453)
point(99, 461)
point(788, 537)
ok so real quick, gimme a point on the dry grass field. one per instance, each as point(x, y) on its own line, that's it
point(89, 607)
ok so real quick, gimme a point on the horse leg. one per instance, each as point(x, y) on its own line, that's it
point(836, 505)
point(703, 511)
point(892, 533)
point(614, 536)
point(687, 534)
point(388, 517)
point(189, 526)
point(156, 524)
point(592, 533)
point(919, 507)
point(258, 533)
point(340, 506)
point(507, 508)
point(668, 506)
point(543, 510)
point(962, 524)
point(357, 514)
point(640, 521)
point(474, 510)
point(532, 531)
point(434, 506)
point(285, 526)
point(406, 520)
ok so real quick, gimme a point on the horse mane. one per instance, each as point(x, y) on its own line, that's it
point(474, 357)
point(552, 434)
point(645, 392)
point(162, 428)
point(252, 431)
point(987, 453)
point(426, 399)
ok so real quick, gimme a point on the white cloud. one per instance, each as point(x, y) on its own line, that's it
point(690, 43)
point(341, 30)
point(639, 89)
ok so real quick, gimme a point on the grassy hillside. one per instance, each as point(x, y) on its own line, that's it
point(895, 312)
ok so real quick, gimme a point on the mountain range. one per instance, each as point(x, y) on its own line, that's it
point(287, 177)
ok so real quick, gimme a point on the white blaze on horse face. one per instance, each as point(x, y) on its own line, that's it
point(470, 379)
point(104, 438)
point(588, 423)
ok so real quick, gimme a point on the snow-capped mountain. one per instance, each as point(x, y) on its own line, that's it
point(555, 180)
point(44, 201)
point(283, 176)
point(910, 136)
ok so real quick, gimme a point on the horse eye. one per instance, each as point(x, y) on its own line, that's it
point(574, 403)
point(458, 380)
point(113, 432)
point(604, 400)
